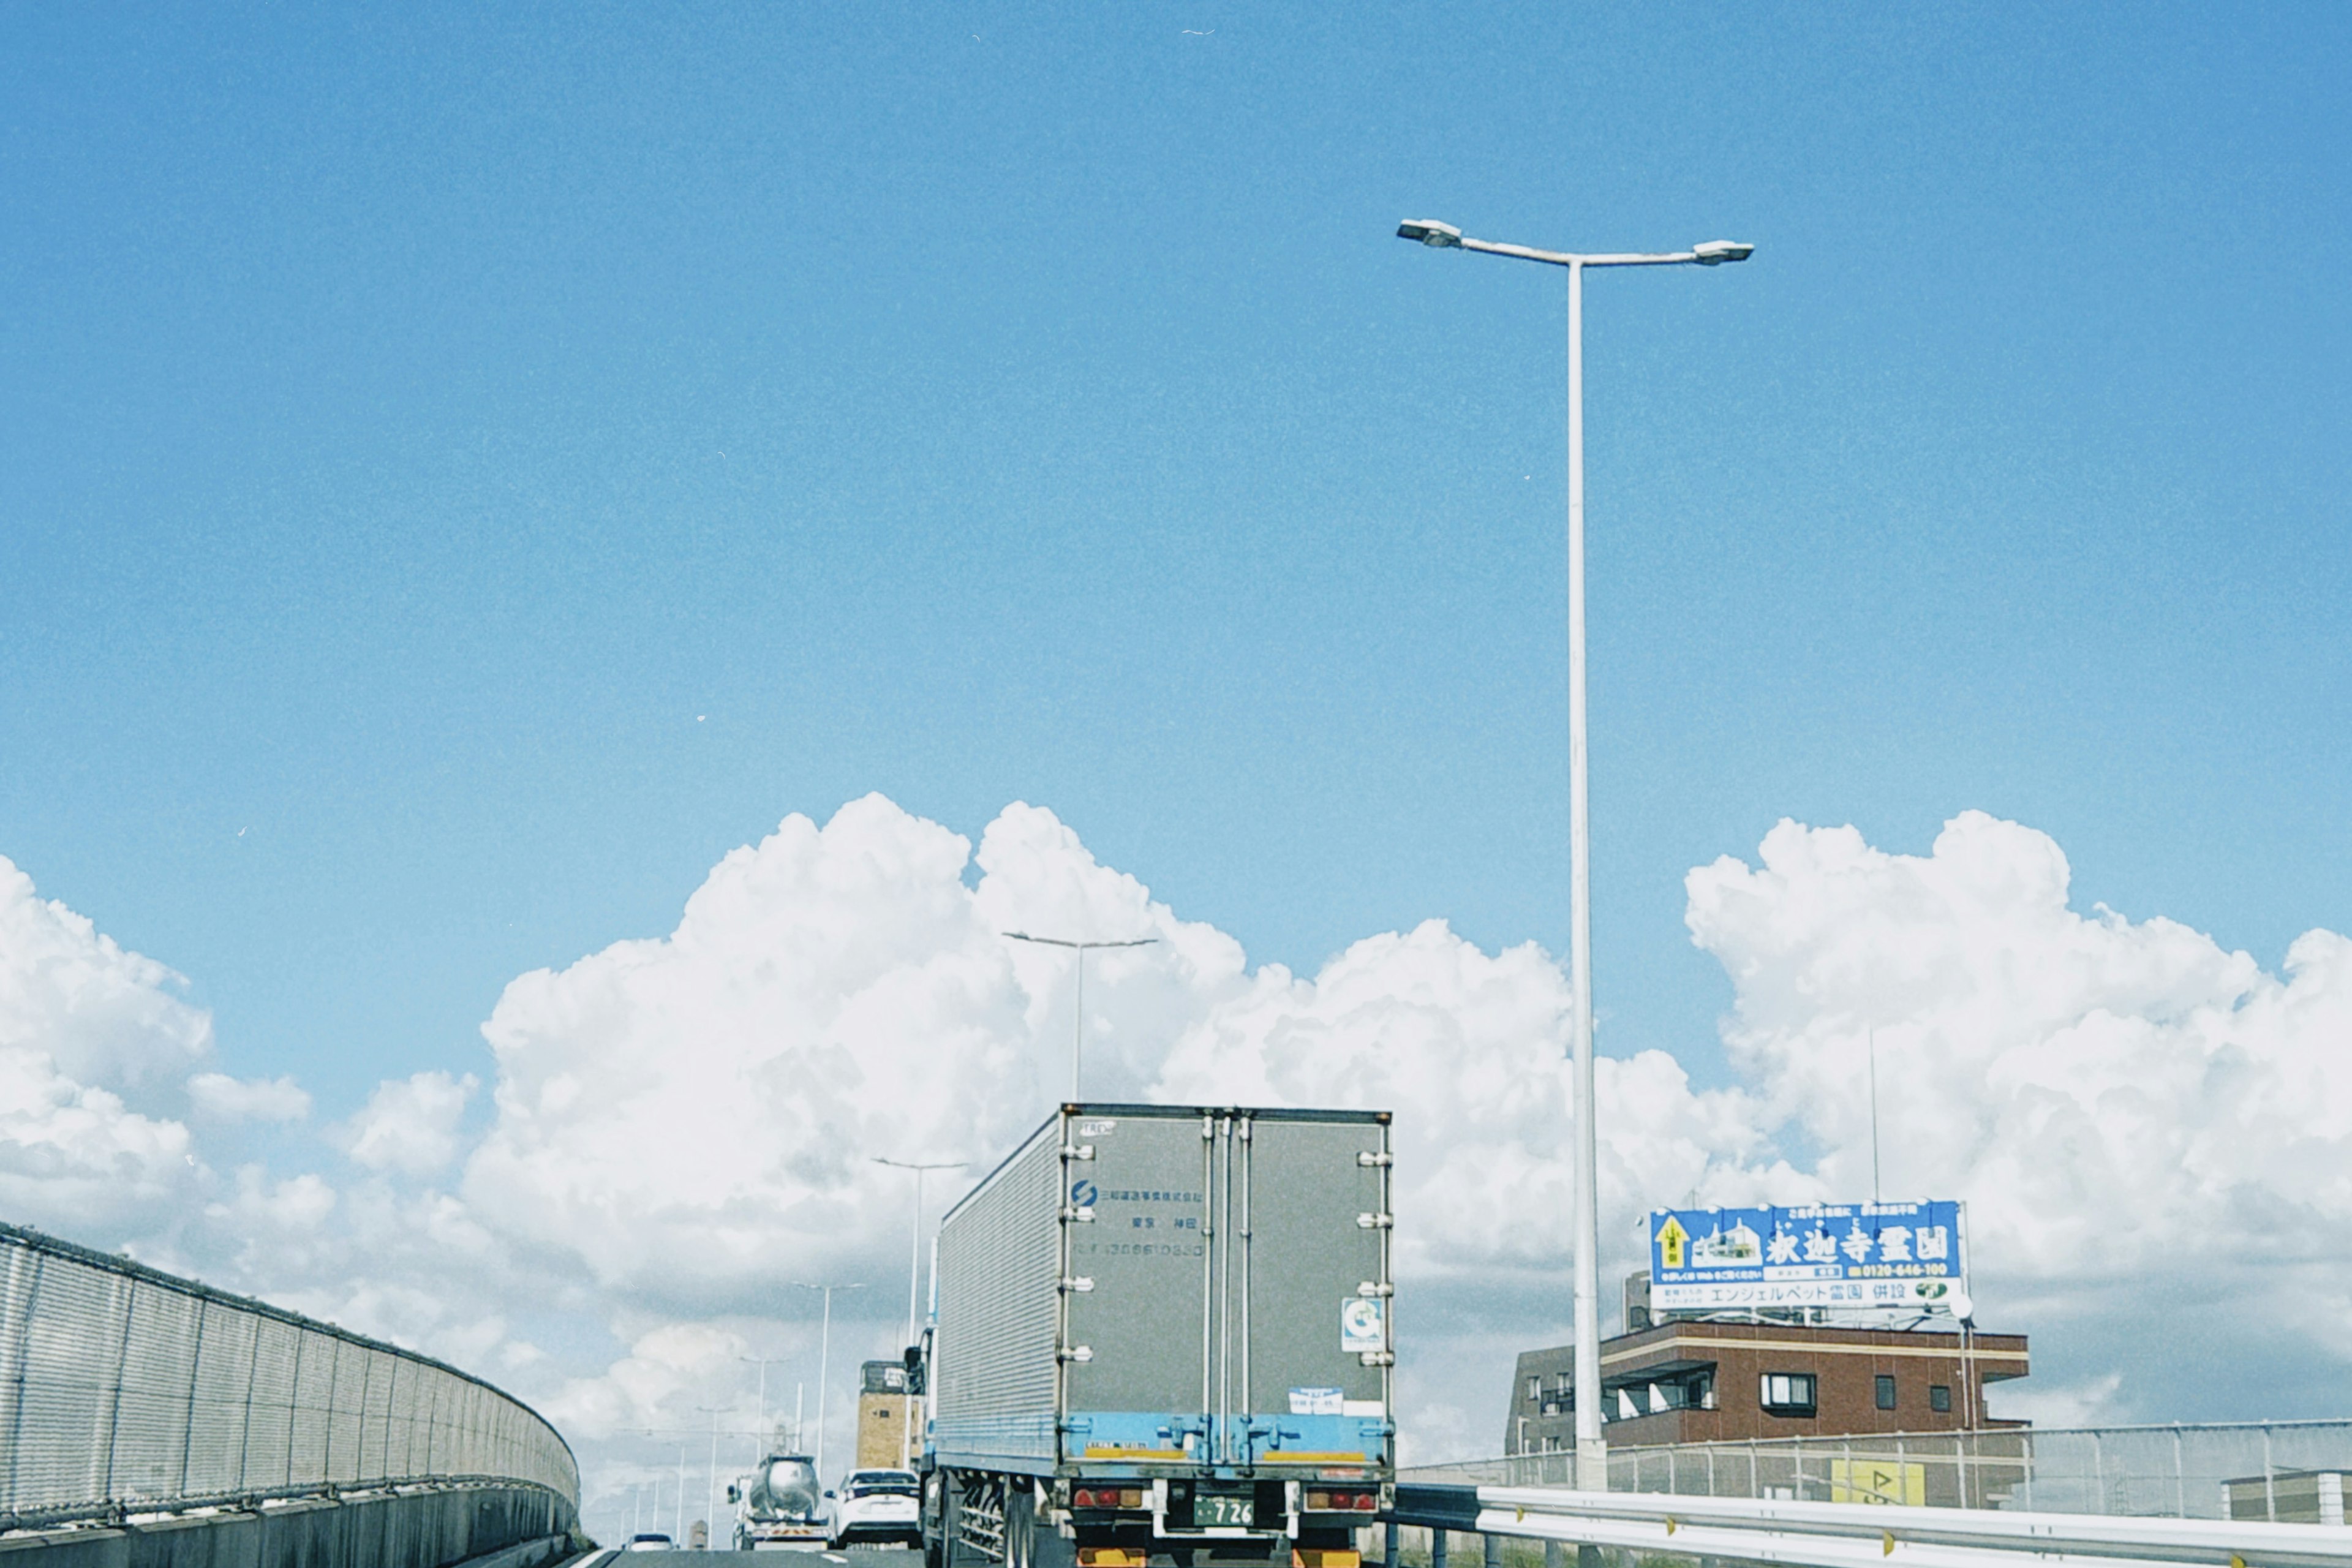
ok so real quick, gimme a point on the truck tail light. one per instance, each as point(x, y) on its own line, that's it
point(1343, 1503)
point(1106, 1496)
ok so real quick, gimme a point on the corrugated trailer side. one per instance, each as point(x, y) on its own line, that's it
point(998, 1286)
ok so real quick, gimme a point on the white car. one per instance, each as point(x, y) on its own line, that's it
point(876, 1505)
point(650, 1543)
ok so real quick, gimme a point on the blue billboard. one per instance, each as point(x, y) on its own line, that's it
point(1874, 1257)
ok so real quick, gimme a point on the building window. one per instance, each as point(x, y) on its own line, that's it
point(1885, 1392)
point(1789, 1392)
point(1939, 1399)
point(1535, 1388)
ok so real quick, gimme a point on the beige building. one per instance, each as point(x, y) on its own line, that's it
point(889, 1419)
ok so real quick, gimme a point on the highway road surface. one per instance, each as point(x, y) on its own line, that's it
point(856, 1557)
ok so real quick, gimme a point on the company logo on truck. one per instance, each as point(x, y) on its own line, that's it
point(1362, 1325)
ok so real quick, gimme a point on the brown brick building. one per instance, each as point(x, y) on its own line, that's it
point(1691, 1382)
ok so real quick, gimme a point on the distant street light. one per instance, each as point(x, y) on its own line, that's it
point(823, 1354)
point(1078, 1010)
point(1591, 1453)
point(915, 1274)
point(710, 1477)
point(761, 1363)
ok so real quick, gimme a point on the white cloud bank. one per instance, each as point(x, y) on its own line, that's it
point(2150, 1131)
point(411, 1124)
point(90, 1036)
point(220, 1098)
point(2154, 1135)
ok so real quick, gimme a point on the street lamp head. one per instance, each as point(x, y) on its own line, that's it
point(1715, 252)
point(1429, 231)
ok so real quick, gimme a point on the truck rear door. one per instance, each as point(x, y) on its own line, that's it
point(1308, 1277)
point(1137, 1290)
point(1228, 1289)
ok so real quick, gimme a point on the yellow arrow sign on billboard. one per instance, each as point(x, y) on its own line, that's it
point(1671, 1237)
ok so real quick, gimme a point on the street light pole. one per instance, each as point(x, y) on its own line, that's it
point(761, 1363)
point(710, 1478)
point(823, 1356)
point(1078, 1008)
point(914, 1281)
point(1592, 1452)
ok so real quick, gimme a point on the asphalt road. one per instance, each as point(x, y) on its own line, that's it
point(856, 1557)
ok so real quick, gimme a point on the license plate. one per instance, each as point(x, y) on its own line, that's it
point(1223, 1510)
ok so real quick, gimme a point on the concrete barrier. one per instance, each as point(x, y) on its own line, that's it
point(457, 1527)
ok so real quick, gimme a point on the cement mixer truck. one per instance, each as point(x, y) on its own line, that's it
point(781, 1504)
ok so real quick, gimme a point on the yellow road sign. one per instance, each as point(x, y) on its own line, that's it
point(1878, 1481)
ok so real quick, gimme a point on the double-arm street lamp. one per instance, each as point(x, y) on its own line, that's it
point(914, 1278)
point(1078, 1008)
point(1591, 1455)
point(824, 1366)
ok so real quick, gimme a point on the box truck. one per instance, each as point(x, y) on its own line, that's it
point(1162, 1335)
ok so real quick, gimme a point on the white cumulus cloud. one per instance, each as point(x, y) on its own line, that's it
point(103, 1016)
point(2150, 1130)
point(2154, 1135)
point(410, 1124)
point(220, 1098)
point(94, 1042)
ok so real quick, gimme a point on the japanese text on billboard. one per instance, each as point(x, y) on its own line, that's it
point(1867, 1255)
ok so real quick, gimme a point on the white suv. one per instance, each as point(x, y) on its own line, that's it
point(876, 1505)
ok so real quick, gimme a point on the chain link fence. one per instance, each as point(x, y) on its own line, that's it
point(124, 1390)
point(2265, 1470)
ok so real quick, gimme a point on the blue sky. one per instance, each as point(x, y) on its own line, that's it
point(461, 473)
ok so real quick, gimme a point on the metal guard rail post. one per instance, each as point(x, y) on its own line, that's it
point(1864, 1535)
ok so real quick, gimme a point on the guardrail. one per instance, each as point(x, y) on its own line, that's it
point(1857, 1535)
point(124, 1390)
point(2248, 1470)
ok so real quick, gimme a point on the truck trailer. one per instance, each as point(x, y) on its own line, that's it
point(1162, 1336)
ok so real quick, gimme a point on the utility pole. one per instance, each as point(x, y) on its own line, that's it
point(1875, 1196)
